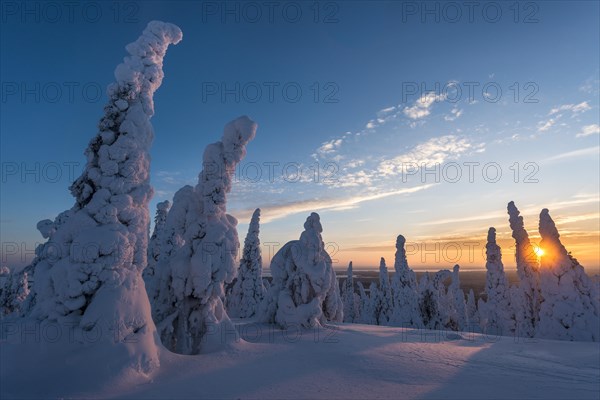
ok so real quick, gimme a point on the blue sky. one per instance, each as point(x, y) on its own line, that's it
point(383, 86)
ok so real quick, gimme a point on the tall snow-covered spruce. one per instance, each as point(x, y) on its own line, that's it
point(432, 299)
point(88, 273)
point(384, 304)
point(405, 290)
point(202, 245)
point(526, 295)
point(457, 307)
point(496, 313)
point(156, 241)
point(349, 297)
point(472, 312)
point(526, 299)
point(248, 290)
point(366, 310)
point(305, 291)
point(569, 310)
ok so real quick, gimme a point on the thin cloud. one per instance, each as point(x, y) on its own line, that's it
point(556, 113)
point(434, 151)
point(589, 130)
point(482, 217)
point(330, 147)
point(545, 125)
point(422, 107)
point(576, 153)
point(455, 113)
point(272, 213)
point(574, 108)
point(577, 218)
point(590, 86)
point(528, 210)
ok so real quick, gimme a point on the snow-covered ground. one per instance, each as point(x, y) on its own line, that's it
point(339, 361)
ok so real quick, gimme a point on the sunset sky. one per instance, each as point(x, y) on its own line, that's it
point(353, 98)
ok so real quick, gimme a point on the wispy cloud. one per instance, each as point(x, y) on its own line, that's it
point(330, 147)
point(577, 218)
point(532, 209)
point(434, 151)
point(455, 113)
point(575, 153)
point(574, 108)
point(273, 212)
point(590, 86)
point(589, 130)
point(384, 116)
point(422, 107)
point(386, 111)
point(556, 114)
point(545, 125)
point(481, 217)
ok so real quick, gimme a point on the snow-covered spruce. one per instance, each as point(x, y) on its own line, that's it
point(455, 300)
point(155, 244)
point(201, 249)
point(383, 301)
point(569, 310)
point(366, 312)
point(349, 298)
point(404, 290)
point(14, 289)
point(305, 291)
point(432, 299)
point(89, 271)
point(472, 312)
point(496, 312)
point(159, 288)
point(248, 290)
point(526, 297)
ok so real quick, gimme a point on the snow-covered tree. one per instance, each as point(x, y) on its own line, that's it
point(202, 245)
point(472, 312)
point(569, 310)
point(349, 298)
point(457, 308)
point(376, 304)
point(89, 272)
point(159, 285)
point(404, 290)
point(428, 303)
point(305, 291)
point(526, 299)
point(248, 290)
point(155, 246)
point(496, 313)
point(14, 289)
point(366, 310)
point(432, 300)
point(384, 303)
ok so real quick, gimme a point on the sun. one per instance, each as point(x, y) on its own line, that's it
point(538, 251)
